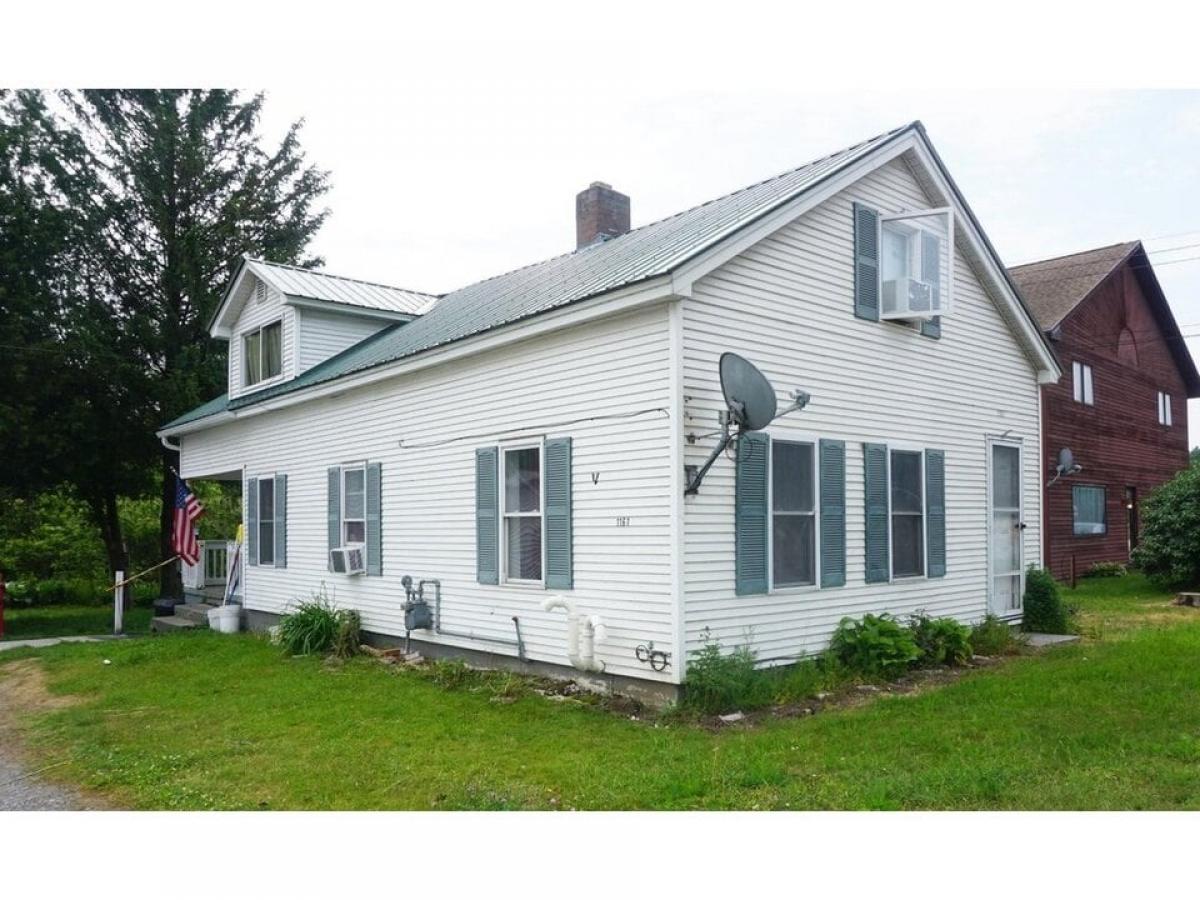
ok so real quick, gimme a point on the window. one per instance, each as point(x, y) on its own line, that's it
point(266, 521)
point(1164, 408)
point(522, 507)
point(793, 514)
point(907, 513)
point(914, 264)
point(262, 353)
point(1088, 510)
point(1081, 378)
point(354, 505)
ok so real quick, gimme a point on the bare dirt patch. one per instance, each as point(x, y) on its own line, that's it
point(23, 773)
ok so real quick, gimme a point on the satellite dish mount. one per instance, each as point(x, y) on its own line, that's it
point(749, 406)
point(1066, 465)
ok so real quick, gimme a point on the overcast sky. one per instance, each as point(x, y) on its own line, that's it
point(454, 181)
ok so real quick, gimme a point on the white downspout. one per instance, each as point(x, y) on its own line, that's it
point(582, 633)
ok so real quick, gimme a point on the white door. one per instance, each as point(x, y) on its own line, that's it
point(1004, 553)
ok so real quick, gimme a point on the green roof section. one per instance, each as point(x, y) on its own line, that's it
point(203, 411)
point(641, 254)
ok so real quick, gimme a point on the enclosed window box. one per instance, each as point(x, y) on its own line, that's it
point(914, 265)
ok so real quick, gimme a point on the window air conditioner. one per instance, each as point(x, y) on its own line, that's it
point(347, 560)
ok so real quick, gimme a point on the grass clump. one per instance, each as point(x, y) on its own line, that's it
point(1045, 611)
point(942, 642)
point(1107, 570)
point(993, 637)
point(876, 646)
point(720, 682)
point(316, 627)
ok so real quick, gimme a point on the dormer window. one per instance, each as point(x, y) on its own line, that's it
point(914, 264)
point(262, 353)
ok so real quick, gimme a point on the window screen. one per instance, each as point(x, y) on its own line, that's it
point(1088, 510)
point(793, 496)
point(908, 514)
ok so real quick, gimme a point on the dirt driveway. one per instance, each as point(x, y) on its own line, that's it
point(22, 787)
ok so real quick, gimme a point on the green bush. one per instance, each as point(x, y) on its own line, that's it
point(943, 642)
point(1045, 611)
point(1168, 550)
point(993, 637)
point(1106, 570)
point(347, 637)
point(875, 646)
point(806, 678)
point(718, 682)
point(316, 627)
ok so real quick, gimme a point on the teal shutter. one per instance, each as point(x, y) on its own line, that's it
point(252, 521)
point(935, 512)
point(750, 514)
point(374, 519)
point(487, 515)
point(866, 263)
point(280, 521)
point(334, 513)
point(931, 252)
point(557, 455)
point(832, 469)
point(875, 478)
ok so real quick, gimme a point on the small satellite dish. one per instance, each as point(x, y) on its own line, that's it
point(748, 394)
point(1066, 459)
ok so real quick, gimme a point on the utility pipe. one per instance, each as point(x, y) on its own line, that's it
point(582, 634)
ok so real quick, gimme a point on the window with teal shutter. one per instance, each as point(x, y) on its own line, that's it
point(252, 521)
point(750, 514)
point(875, 490)
point(557, 463)
point(866, 263)
point(935, 511)
point(833, 513)
point(487, 515)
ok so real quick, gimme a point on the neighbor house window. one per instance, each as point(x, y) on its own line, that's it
point(1164, 408)
point(354, 505)
point(914, 264)
point(266, 521)
point(908, 513)
point(793, 514)
point(522, 508)
point(1081, 380)
point(1088, 509)
point(262, 353)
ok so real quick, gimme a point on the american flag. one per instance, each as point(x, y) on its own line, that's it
point(187, 511)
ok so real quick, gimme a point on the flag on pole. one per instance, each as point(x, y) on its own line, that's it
point(187, 511)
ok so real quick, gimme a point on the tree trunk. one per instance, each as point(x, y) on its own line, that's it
point(104, 513)
point(170, 580)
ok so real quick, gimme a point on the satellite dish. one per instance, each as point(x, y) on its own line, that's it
point(748, 394)
point(1066, 459)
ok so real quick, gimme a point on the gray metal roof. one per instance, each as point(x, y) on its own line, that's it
point(297, 282)
point(639, 255)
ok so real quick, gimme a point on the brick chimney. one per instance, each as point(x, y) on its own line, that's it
point(600, 213)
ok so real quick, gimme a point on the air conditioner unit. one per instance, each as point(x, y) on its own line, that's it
point(347, 560)
point(902, 296)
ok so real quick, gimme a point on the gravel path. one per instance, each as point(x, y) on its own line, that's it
point(22, 787)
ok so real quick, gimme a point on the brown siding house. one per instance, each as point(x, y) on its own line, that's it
point(1121, 406)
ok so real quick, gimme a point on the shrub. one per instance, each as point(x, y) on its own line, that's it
point(1044, 608)
point(807, 678)
point(875, 646)
point(1106, 570)
point(347, 637)
point(718, 682)
point(943, 642)
point(1169, 545)
point(315, 627)
point(992, 637)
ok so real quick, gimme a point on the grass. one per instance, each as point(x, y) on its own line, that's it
point(205, 721)
point(21, 623)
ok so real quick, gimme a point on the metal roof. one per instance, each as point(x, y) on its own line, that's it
point(297, 282)
point(638, 255)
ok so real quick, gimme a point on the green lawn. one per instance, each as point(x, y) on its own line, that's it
point(21, 623)
point(209, 721)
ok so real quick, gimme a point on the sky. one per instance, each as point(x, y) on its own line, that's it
point(450, 182)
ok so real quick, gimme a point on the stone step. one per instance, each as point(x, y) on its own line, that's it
point(194, 612)
point(167, 624)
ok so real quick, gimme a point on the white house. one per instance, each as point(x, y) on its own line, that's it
point(528, 438)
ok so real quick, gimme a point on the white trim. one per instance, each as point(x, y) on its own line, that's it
point(991, 441)
point(677, 483)
point(945, 304)
point(504, 448)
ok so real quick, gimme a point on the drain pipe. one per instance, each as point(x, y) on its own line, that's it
point(582, 634)
point(437, 621)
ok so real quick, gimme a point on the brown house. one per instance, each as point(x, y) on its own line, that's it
point(1121, 406)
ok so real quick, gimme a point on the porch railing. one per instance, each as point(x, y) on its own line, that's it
point(212, 568)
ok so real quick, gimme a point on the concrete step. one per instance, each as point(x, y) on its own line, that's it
point(194, 612)
point(167, 624)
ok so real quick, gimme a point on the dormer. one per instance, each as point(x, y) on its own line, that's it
point(282, 320)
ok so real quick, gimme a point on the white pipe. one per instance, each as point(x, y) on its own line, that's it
point(582, 632)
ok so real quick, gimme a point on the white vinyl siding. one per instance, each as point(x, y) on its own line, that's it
point(787, 305)
point(326, 334)
point(424, 428)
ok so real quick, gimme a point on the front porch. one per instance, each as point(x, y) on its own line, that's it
point(205, 582)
